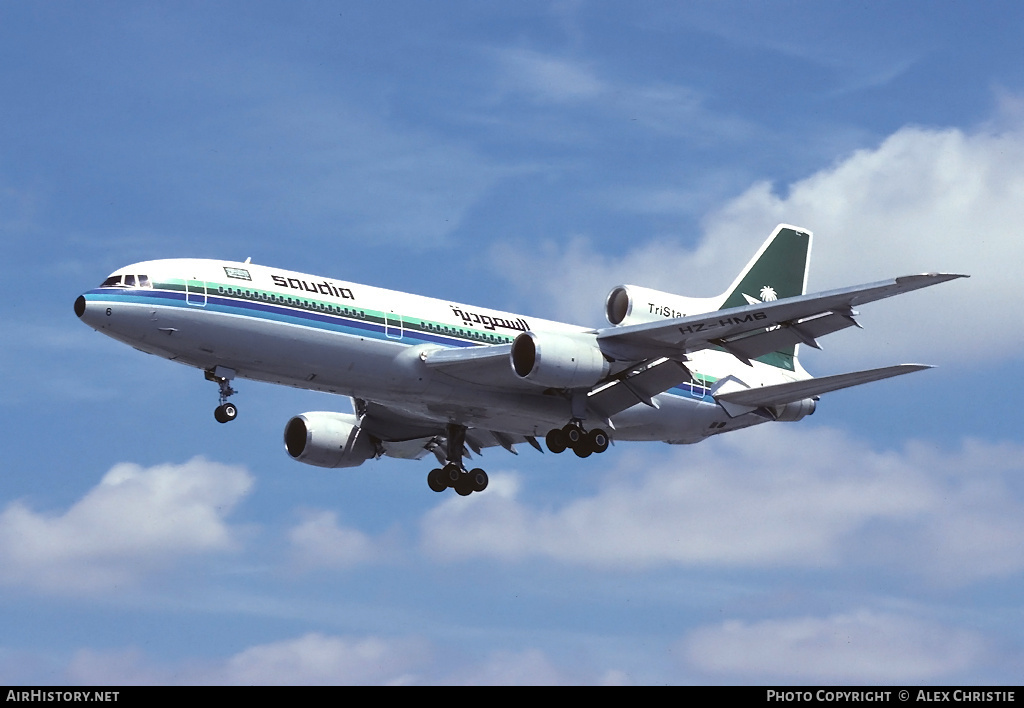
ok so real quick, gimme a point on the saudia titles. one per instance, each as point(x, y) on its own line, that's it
point(324, 288)
point(490, 321)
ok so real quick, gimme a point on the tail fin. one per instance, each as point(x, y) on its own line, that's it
point(778, 270)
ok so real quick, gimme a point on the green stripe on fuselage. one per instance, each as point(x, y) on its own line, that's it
point(408, 324)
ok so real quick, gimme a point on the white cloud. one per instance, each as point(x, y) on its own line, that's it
point(322, 659)
point(312, 659)
point(859, 646)
point(766, 497)
point(319, 541)
point(549, 78)
point(923, 200)
point(319, 659)
point(666, 108)
point(570, 280)
point(134, 521)
point(530, 667)
point(864, 646)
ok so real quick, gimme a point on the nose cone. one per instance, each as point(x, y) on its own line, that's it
point(89, 311)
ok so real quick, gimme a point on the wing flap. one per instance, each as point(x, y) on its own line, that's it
point(806, 331)
point(637, 385)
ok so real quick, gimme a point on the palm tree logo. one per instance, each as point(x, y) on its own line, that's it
point(768, 294)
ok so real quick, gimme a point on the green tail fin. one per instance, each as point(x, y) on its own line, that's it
point(778, 270)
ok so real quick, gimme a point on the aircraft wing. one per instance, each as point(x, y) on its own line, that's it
point(487, 366)
point(490, 366)
point(753, 330)
point(657, 350)
point(407, 436)
point(737, 399)
point(638, 384)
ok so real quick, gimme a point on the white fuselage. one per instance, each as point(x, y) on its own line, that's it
point(329, 335)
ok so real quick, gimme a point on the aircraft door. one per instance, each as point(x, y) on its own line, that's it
point(195, 292)
point(697, 387)
point(392, 325)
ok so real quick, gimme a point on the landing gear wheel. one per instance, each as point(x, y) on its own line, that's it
point(573, 434)
point(583, 448)
point(556, 440)
point(478, 478)
point(597, 440)
point(464, 487)
point(225, 413)
point(451, 474)
point(436, 480)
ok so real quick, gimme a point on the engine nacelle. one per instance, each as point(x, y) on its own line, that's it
point(558, 359)
point(631, 304)
point(796, 410)
point(327, 439)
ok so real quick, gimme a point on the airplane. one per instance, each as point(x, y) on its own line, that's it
point(434, 376)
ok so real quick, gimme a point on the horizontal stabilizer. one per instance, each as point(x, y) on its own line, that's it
point(781, 394)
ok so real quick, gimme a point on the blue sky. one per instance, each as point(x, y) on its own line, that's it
point(528, 157)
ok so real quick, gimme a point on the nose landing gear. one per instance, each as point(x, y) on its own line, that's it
point(225, 412)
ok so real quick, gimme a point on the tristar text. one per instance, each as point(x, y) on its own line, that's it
point(664, 311)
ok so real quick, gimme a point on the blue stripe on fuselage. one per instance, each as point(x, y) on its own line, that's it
point(334, 323)
point(685, 392)
point(277, 313)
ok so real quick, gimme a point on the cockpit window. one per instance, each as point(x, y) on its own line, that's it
point(127, 281)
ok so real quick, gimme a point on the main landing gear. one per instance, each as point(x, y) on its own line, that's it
point(574, 437)
point(453, 474)
point(225, 412)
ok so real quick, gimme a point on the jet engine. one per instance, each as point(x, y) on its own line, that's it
point(327, 439)
point(795, 410)
point(631, 304)
point(558, 359)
